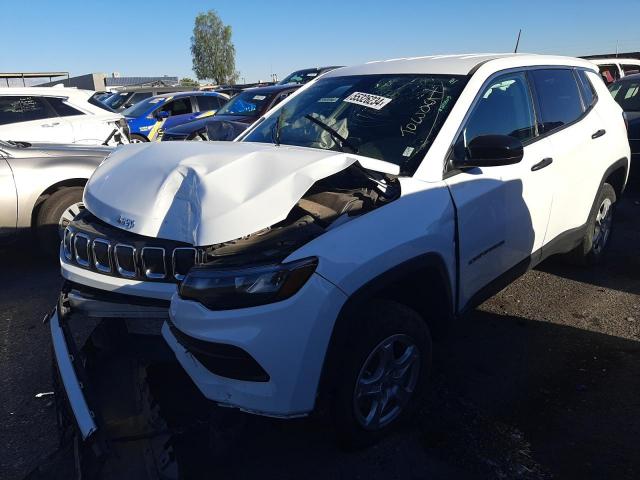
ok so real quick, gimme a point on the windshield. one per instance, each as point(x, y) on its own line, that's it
point(117, 99)
point(394, 118)
point(248, 103)
point(627, 94)
point(142, 107)
point(301, 76)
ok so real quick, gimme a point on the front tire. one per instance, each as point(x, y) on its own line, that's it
point(592, 248)
point(54, 215)
point(135, 138)
point(385, 367)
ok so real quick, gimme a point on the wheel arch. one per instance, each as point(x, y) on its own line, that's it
point(66, 183)
point(421, 283)
point(616, 176)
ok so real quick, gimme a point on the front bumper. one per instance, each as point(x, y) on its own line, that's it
point(287, 339)
point(66, 361)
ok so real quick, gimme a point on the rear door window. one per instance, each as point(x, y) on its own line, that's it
point(589, 95)
point(558, 98)
point(209, 102)
point(61, 108)
point(23, 109)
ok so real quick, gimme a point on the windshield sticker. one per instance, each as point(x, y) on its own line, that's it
point(156, 100)
point(312, 74)
point(328, 100)
point(408, 151)
point(259, 97)
point(367, 100)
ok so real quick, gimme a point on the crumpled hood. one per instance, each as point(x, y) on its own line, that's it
point(205, 193)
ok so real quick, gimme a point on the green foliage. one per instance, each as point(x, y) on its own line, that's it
point(189, 82)
point(212, 51)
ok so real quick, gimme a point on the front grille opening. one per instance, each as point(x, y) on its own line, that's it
point(67, 245)
point(183, 260)
point(101, 254)
point(125, 256)
point(153, 262)
point(81, 247)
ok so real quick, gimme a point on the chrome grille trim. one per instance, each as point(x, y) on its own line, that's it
point(176, 275)
point(122, 271)
point(147, 272)
point(67, 243)
point(80, 261)
point(96, 263)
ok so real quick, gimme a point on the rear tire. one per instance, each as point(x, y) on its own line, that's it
point(592, 248)
point(54, 215)
point(384, 372)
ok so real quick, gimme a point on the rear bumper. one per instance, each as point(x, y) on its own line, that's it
point(65, 359)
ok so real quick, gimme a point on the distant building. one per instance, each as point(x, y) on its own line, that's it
point(27, 79)
point(101, 81)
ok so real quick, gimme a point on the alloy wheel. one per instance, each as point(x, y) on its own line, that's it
point(603, 223)
point(386, 382)
point(68, 215)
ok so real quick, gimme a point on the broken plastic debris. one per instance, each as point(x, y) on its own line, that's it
point(43, 394)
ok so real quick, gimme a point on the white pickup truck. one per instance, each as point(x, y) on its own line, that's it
point(307, 262)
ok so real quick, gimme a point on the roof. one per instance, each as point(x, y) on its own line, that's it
point(49, 91)
point(456, 64)
point(129, 81)
point(33, 74)
point(273, 88)
point(602, 61)
point(187, 92)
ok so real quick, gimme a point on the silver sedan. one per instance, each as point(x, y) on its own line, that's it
point(41, 188)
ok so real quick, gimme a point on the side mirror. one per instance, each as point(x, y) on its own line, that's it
point(161, 115)
point(491, 151)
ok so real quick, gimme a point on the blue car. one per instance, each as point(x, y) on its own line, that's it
point(146, 118)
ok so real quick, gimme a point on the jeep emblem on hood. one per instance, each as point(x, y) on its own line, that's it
point(127, 223)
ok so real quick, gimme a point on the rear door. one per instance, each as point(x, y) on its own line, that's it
point(8, 200)
point(31, 119)
point(578, 136)
point(502, 211)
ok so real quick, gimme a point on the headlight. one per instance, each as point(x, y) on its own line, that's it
point(225, 289)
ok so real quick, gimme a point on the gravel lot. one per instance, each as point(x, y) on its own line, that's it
point(541, 381)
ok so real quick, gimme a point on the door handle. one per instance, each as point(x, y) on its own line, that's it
point(540, 165)
point(599, 133)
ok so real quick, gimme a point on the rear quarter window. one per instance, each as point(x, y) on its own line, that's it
point(589, 95)
point(558, 97)
point(62, 109)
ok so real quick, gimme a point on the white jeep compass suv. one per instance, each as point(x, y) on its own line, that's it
point(309, 260)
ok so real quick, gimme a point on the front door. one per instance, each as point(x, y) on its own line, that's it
point(502, 211)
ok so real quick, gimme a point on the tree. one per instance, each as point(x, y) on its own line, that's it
point(212, 51)
point(188, 82)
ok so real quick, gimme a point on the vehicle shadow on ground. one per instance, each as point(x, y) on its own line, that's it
point(621, 267)
point(511, 398)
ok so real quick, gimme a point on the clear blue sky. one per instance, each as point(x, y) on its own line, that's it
point(153, 37)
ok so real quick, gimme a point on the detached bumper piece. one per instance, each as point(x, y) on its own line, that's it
point(221, 359)
point(67, 361)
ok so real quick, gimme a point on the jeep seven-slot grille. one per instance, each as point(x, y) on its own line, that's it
point(127, 255)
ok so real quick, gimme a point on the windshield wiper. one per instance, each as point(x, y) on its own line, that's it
point(341, 140)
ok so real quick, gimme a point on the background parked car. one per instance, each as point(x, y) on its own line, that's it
point(41, 188)
point(305, 75)
point(234, 117)
point(125, 97)
point(204, 102)
point(60, 115)
point(146, 117)
point(626, 92)
point(612, 69)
